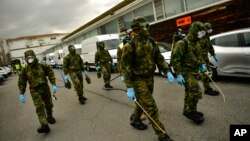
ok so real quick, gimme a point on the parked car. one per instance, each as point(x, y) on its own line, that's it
point(165, 49)
point(4, 73)
point(233, 50)
point(2, 79)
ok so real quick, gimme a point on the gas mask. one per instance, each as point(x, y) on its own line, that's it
point(30, 59)
point(209, 31)
point(140, 27)
point(72, 49)
point(201, 34)
point(100, 45)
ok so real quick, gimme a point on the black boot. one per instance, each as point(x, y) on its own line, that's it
point(194, 116)
point(138, 124)
point(43, 129)
point(165, 138)
point(81, 100)
point(51, 119)
point(84, 98)
point(108, 86)
point(211, 92)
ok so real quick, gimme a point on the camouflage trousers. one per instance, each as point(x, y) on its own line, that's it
point(192, 91)
point(77, 79)
point(143, 91)
point(41, 96)
point(106, 71)
point(204, 78)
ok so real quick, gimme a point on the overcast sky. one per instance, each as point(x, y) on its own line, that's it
point(34, 17)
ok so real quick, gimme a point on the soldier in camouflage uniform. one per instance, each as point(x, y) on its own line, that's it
point(207, 47)
point(73, 67)
point(187, 62)
point(139, 59)
point(102, 61)
point(35, 74)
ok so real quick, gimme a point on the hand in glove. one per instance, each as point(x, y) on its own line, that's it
point(66, 77)
point(170, 77)
point(216, 58)
point(54, 88)
point(122, 79)
point(131, 93)
point(85, 72)
point(97, 68)
point(22, 98)
point(203, 68)
point(180, 79)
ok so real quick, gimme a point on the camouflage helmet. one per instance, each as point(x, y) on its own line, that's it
point(194, 28)
point(100, 45)
point(208, 26)
point(29, 53)
point(138, 23)
point(71, 47)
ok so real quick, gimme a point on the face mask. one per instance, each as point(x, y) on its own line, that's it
point(210, 31)
point(201, 34)
point(72, 51)
point(30, 60)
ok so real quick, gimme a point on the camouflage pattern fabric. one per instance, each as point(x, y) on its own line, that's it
point(143, 91)
point(73, 65)
point(119, 55)
point(186, 62)
point(36, 75)
point(206, 47)
point(138, 65)
point(103, 59)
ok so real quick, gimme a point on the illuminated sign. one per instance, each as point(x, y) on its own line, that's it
point(183, 21)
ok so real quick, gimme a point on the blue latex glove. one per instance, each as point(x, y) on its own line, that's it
point(203, 68)
point(122, 79)
point(131, 93)
point(180, 79)
point(22, 98)
point(54, 88)
point(66, 77)
point(97, 68)
point(85, 72)
point(170, 77)
point(216, 58)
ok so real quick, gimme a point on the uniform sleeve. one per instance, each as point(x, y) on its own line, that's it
point(119, 53)
point(81, 62)
point(65, 65)
point(126, 64)
point(178, 53)
point(50, 74)
point(160, 61)
point(210, 47)
point(22, 81)
point(97, 57)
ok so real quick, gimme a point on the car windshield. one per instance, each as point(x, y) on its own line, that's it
point(164, 47)
point(112, 44)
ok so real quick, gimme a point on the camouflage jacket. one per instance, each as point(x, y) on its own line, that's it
point(35, 74)
point(102, 56)
point(141, 60)
point(187, 57)
point(206, 47)
point(72, 63)
point(119, 55)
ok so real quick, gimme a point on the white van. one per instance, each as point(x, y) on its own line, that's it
point(89, 48)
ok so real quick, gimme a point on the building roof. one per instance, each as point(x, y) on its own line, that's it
point(37, 36)
point(109, 12)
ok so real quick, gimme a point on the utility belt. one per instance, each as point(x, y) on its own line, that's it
point(39, 86)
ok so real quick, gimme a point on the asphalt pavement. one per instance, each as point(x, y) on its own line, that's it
point(105, 116)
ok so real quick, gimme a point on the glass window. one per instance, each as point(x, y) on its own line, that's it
point(247, 38)
point(173, 7)
point(193, 4)
point(127, 19)
point(103, 30)
point(145, 11)
point(112, 44)
point(227, 41)
point(112, 27)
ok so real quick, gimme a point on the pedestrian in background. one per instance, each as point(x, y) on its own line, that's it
point(36, 75)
